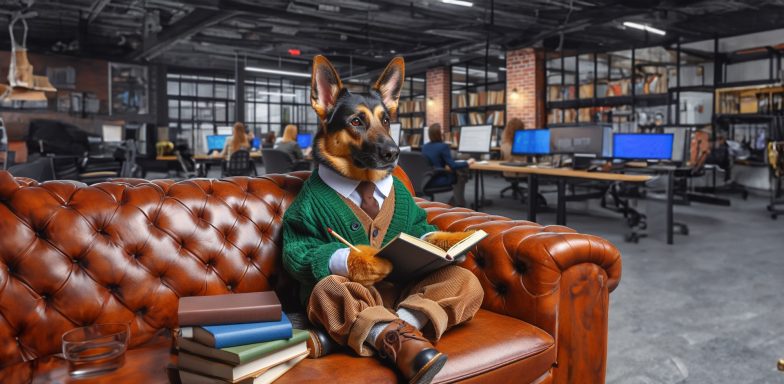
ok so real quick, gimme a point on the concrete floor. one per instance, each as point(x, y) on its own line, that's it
point(709, 309)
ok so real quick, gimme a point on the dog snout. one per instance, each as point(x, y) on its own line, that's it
point(388, 152)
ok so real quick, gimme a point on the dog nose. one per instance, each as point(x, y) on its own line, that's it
point(388, 152)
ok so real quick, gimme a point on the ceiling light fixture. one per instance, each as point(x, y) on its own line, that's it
point(276, 94)
point(644, 27)
point(277, 72)
point(458, 2)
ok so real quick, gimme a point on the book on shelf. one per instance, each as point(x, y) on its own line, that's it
point(236, 373)
point(415, 139)
point(228, 309)
point(495, 118)
point(411, 106)
point(473, 99)
point(459, 100)
point(240, 354)
point(412, 257)
point(230, 335)
point(265, 377)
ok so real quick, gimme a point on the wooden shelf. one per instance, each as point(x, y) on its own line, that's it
point(648, 100)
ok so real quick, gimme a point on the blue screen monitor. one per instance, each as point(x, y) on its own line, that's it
point(643, 146)
point(531, 142)
point(216, 142)
point(305, 140)
point(256, 143)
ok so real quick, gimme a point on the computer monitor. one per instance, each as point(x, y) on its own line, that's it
point(589, 140)
point(305, 140)
point(680, 143)
point(394, 131)
point(643, 146)
point(531, 142)
point(226, 130)
point(255, 143)
point(216, 142)
point(475, 139)
point(112, 133)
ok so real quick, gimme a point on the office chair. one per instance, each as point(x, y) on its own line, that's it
point(82, 169)
point(277, 161)
point(188, 167)
point(421, 172)
point(41, 169)
point(239, 164)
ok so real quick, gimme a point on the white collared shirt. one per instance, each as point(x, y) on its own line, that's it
point(348, 187)
point(338, 262)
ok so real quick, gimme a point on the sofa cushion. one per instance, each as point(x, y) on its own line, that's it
point(488, 342)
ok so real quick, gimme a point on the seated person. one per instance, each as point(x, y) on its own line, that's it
point(440, 156)
point(238, 141)
point(507, 140)
point(269, 140)
point(289, 145)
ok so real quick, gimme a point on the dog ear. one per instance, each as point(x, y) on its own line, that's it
point(325, 85)
point(390, 83)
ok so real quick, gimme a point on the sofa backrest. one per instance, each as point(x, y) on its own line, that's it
point(73, 255)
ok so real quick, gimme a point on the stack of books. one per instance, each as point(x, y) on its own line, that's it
point(237, 338)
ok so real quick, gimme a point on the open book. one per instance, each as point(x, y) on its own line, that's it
point(412, 257)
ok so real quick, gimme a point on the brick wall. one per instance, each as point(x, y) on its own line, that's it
point(438, 97)
point(525, 73)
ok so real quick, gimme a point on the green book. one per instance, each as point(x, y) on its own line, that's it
point(240, 354)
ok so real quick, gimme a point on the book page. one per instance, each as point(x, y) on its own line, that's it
point(434, 249)
point(463, 245)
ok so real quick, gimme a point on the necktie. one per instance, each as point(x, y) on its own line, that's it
point(369, 204)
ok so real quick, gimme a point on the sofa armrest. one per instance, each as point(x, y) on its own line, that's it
point(549, 276)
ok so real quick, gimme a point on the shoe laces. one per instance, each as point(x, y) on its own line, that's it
point(394, 339)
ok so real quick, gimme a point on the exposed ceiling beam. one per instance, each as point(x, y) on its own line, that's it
point(96, 9)
point(181, 30)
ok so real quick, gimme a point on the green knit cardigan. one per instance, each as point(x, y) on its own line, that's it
point(307, 246)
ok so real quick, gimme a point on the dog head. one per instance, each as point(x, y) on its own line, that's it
point(353, 137)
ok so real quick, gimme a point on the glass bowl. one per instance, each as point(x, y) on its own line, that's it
point(95, 349)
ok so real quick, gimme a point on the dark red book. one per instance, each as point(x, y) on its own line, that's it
point(253, 307)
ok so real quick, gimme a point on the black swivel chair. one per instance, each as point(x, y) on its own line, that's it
point(277, 161)
point(41, 169)
point(239, 164)
point(421, 172)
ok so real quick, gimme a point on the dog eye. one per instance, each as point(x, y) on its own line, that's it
point(385, 121)
point(356, 122)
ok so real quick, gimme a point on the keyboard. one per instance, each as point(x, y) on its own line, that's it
point(515, 163)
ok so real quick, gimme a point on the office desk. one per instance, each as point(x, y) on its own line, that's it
point(560, 174)
point(204, 157)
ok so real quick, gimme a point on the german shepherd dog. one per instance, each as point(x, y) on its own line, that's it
point(353, 139)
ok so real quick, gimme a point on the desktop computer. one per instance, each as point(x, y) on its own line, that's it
point(305, 140)
point(475, 139)
point(216, 142)
point(588, 140)
point(643, 146)
point(681, 142)
point(531, 142)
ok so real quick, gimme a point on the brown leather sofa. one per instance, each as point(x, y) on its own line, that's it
point(125, 251)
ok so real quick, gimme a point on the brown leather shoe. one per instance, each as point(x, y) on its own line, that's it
point(415, 356)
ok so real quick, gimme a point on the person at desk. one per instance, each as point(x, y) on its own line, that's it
point(289, 143)
point(440, 156)
point(507, 140)
point(238, 141)
point(269, 140)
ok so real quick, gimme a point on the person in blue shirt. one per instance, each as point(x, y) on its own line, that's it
point(440, 155)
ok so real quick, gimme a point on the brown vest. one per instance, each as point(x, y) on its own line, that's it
point(376, 228)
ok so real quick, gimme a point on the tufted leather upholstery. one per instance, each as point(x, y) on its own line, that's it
point(72, 255)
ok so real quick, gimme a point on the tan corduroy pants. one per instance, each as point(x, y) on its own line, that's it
point(348, 310)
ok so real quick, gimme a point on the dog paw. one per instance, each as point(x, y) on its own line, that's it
point(365, 268)
point(446, 240)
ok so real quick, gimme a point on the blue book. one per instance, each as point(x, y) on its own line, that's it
point(232, 335)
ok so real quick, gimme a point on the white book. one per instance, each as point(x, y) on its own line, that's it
point(266, 377)
point(198, 364)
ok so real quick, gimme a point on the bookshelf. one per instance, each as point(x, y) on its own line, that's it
point(412, 109)
point(478, 95)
